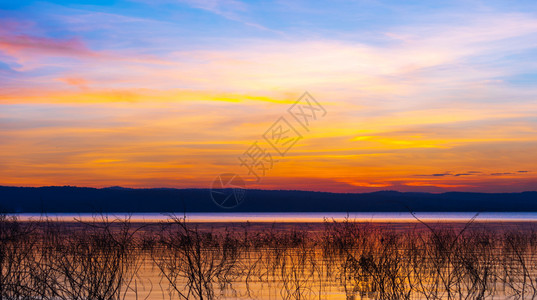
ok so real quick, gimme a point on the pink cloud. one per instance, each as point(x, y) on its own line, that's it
point(16, 45)
point(24, 41)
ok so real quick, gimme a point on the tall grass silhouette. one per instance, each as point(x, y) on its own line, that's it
point(106, 259)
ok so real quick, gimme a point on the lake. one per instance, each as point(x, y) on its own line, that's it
point(269, 256)
point(300, 217)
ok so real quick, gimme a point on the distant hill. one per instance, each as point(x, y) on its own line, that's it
point(118, 199)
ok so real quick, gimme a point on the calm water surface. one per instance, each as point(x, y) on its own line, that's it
point(308, 270)
point(300, 217)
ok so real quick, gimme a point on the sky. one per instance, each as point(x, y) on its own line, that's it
point(428, 96)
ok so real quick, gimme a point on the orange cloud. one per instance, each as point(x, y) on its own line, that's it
point(75, 81)
point(134, 95)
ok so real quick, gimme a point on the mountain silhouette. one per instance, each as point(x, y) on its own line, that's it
point(68, 199)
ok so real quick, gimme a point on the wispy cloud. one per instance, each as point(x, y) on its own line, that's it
point(23, 46)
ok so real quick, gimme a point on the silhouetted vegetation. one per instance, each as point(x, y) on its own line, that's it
point(118, 259)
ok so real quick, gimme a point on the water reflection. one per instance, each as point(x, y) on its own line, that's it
point(106, 258)
point(295, 217)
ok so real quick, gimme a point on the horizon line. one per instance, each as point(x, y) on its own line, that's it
point(258, 189)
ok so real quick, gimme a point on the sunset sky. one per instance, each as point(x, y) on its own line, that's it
point(419, 95)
